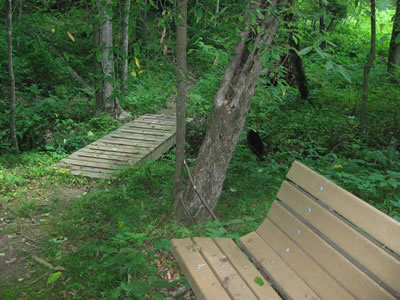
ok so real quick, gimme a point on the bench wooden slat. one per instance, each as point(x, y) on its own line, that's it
point(246, 270)
point(376, 223)
point(344, 271)
point(203, 281)
point(316, 277)
point(285, 280)
point(233, 283)
point(373, 257)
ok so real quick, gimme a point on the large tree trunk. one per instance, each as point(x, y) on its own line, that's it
point(125, 41)
point(394, 50)
point(110, 103)
point(367, 68)
point(181, 43)
point(231, 105)
point(12, 79)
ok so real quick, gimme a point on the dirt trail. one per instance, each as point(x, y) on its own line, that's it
point(20, 237)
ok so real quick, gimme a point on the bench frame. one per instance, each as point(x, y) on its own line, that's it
point(318, 242)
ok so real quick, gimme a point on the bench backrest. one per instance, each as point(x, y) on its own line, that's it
point(334, 244)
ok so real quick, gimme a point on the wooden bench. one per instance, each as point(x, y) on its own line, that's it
point(318, 242)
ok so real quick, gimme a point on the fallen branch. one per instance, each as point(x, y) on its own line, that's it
point(197, 193)
point(37, 279)
point(49, 265)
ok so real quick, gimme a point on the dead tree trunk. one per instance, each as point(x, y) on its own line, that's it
point(394, 49)
point(181, 42)
point(12, 79)
point(231, 105)
point(125, 44)
point(367, 68)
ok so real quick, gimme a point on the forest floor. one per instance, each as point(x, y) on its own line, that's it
point(22, 234)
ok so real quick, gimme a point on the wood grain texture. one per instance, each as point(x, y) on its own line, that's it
point(376, 223)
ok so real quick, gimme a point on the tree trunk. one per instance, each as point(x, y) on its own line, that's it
point(322, 26)
point(295, 59)
point(231, 105)
point(110, 103)
point(97, 68)
point(367, 68)
point(12, 79)
point(181, 43)
point(394, 50)
point(125, 41)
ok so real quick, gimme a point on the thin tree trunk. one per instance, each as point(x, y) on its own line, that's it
point(367, 69)
point(125, 44)
point(322, 26)
point(110, 101)
point(97, 68)
point(216, 13)
point(231, 106)
point(295, 59)
point(394, 49)
point(181, 42)
point(12, 79)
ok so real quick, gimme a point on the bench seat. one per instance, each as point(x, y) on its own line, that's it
point(318, 242)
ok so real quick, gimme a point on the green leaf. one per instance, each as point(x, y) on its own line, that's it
point(305, 51)
point(344, 73)
point(54, 277)
point(397, 39)
point(259, 281)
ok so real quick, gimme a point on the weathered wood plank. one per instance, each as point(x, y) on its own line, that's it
point(368, 253)
point(233, 283)
point(111, 154)
point(122, 142)
point(284, 279)
point(118, 149)
point(347, 273)
point(200, 276)
point(96, 159)
point(312, 273)
point(137, 137)
point(94, 165)
point(152, 126)
point(246, 269)
point(349, 206)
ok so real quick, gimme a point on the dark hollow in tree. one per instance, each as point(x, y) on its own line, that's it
point(255, 143)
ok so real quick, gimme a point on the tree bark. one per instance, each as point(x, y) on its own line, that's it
point(110, 103)
point(295, 59)
point(322, 26)
point(12, 79)
point(394, 49)
point(367, 69)
point(181, 42)
point(231, 106)
point(97, 68)
point(125, 44)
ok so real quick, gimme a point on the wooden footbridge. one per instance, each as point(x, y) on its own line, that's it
point(145, 138)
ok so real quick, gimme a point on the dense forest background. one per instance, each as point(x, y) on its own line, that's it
point(110, 238)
